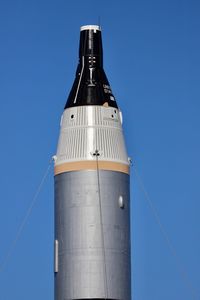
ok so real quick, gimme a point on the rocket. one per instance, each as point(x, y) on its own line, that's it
point(92, 197)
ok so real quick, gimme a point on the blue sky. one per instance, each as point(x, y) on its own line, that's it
point(151, 58)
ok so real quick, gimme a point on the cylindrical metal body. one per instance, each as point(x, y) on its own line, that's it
point(92, 205)
point(81, 270)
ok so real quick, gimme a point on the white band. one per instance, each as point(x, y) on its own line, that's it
point(90, 27)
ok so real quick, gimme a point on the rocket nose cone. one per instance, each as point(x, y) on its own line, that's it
point(90, 45)
point(91, 86)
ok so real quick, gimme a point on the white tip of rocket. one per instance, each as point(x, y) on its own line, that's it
point(90, 27)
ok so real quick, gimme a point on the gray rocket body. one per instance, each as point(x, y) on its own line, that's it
point(92, 204)
point(81, 272)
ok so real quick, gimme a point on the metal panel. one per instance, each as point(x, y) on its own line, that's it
point(91, 128)
point(56, 256)
point(78, 230)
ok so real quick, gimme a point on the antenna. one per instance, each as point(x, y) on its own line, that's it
point(99, 22)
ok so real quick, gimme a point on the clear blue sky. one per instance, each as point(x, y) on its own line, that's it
point(152, 60)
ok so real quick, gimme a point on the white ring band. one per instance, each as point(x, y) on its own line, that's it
point(90, 27)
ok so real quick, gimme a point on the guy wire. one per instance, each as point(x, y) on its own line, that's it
point(25, 219)
point(172, 249)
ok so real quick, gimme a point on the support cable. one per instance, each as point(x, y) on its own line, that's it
point(97, 154)
point(25, 219)
point(181, 268)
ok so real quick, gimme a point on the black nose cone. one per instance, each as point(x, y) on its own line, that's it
point(91, 86)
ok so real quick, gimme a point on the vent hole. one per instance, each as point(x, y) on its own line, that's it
point(72, 116)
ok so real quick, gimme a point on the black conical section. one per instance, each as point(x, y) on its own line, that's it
point(91, 86)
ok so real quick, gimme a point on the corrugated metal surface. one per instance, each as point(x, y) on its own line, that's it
point(91, 128)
